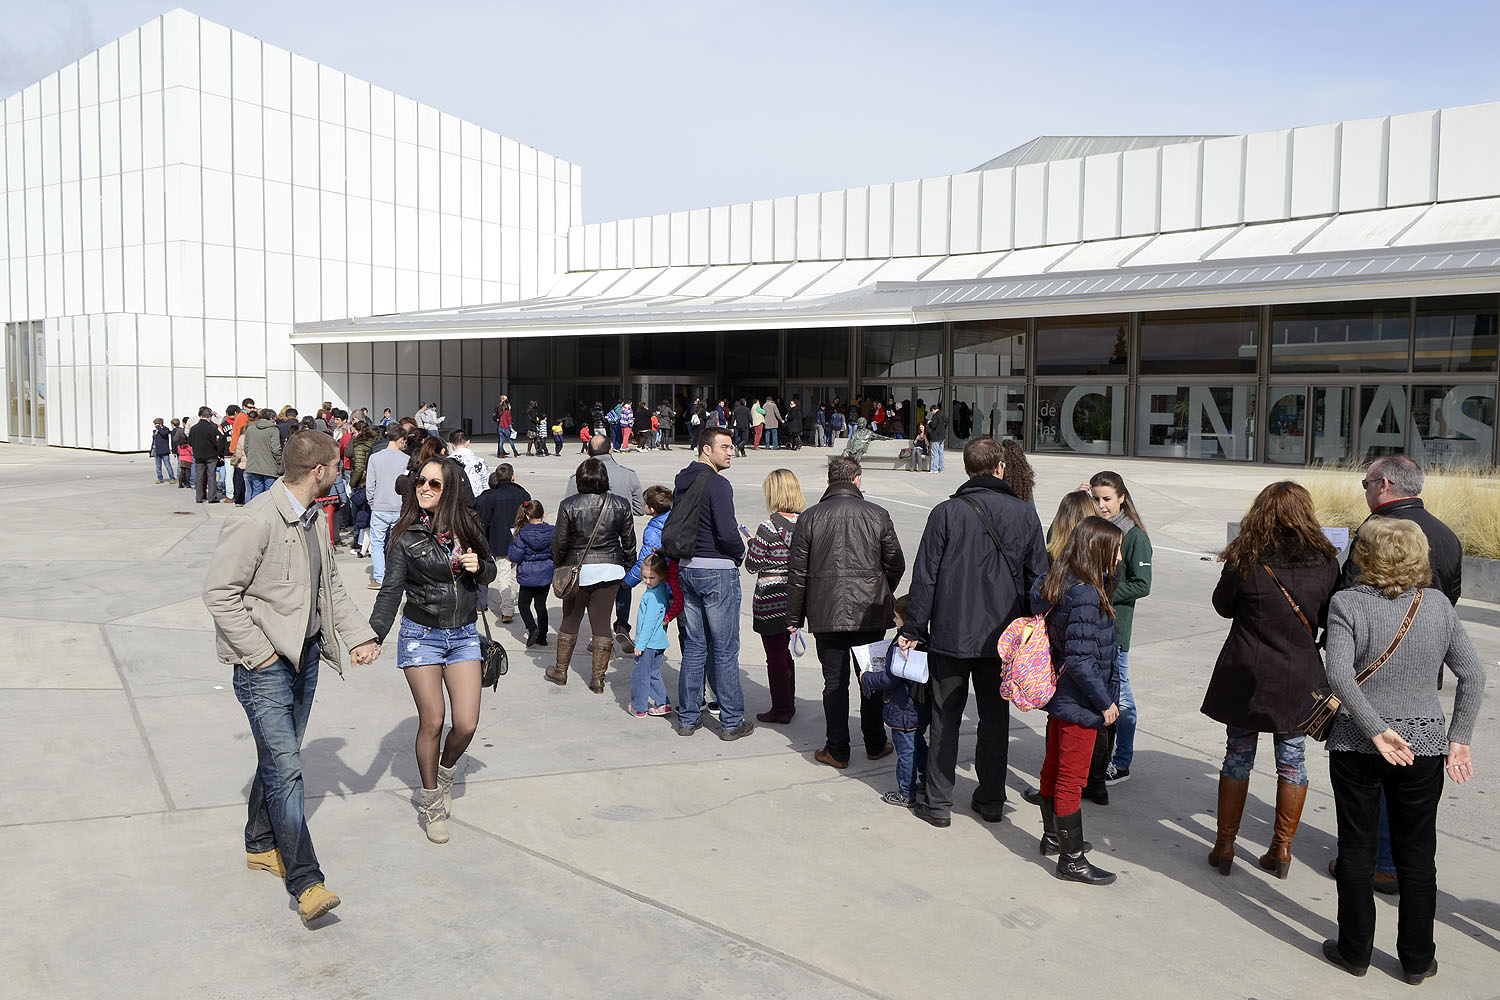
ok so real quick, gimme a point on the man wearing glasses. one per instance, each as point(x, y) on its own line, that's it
point(1393, 487)
point(279, 610)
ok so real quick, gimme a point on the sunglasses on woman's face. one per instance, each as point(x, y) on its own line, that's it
point(435, 485)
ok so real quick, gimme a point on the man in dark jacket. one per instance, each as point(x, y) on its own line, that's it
point(792, 424)
point(845, 563)
point(937, 433)
point(497, 512)
point(741, 426)
point(1393, 488)
point(965, 589)
point(209, 445)
point(711, 593)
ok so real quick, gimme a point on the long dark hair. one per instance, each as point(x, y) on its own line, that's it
point(1116, 482)
point(1088, 557)
point(1018, 473)
point(451, 513)
point(1281, 527)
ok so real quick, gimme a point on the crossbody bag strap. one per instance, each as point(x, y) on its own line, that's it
point(1311, 628)
point(1411, 615)
point(989, 526)
point(594, 534)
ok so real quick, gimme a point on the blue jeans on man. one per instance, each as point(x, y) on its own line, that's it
point(711, 610)
point(277, 699)
point(166, 469)
point(1125, 725)
point(257, 483)
point(937, 456)
point(773, 437)
point(381, 523)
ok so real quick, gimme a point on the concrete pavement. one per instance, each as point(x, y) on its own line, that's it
point(596, 854)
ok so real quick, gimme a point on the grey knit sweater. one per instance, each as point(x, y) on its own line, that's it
point(1402, 695)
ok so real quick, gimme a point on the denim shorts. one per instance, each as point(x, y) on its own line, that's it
point(417, 644)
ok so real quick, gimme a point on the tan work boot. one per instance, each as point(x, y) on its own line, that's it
point(315, 901)
point(558, 672)
point(434, 816)
point(445, 785)
point(1232, 792)
point(1289, 802)
point(602, 648)
point(266, 861)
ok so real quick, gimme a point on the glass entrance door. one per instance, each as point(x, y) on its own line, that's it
point(26, 386)
point(678, 392)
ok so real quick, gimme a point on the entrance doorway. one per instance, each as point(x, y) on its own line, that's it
point(26, 382)
point(678, 392)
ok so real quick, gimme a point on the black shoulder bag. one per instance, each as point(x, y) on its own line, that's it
point(989, 526)
point(495, 663)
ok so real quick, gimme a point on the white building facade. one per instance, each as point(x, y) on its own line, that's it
point(1323, 293)
point(175, 201)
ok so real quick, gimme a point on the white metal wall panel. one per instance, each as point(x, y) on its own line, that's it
point(809, 227)
point(1223, 181)
point(1267, 175)
point(857, 222)
point(1181, 186)
point(1412, 167)
point(1315, 170)
point(935, 207)
point(831, 225)
point(880, 220)
point(1031, 205)
point(1101, 196)
point(1362, 164)
point(997, 198)
point(762, 230)
point(1064, 201)
point(963, 214)
point(906, 219)
point(1469, 152)
point(718, 235)
point(698, 238)
point(784, 229)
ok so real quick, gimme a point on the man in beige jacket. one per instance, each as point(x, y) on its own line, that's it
point(279, 609)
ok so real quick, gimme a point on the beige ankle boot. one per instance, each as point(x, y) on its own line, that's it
point(434, 816)
point(445, 785)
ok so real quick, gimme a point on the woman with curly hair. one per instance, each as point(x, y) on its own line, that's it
point(1279, 575)
point(1018, 474)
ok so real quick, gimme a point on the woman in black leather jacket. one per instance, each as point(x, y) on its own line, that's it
point(438, 558)
point(603, 563)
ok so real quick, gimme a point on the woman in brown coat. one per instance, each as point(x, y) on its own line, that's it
point(1279, 575)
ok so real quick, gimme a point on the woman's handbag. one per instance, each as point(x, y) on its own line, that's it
point(1316, 717)
point(565, 578)
point(494, 663)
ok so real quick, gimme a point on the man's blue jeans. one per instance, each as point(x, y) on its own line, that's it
point(1125, 725)
point(277, 699)
point(711, 609)
point(773, 436)
point(937, 456)
point(381, 523)
point(166, 469)
point(256, 484)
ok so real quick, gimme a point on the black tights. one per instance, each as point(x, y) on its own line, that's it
point(534, 596)
point(599, 601)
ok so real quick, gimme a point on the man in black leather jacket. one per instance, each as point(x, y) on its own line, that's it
point(965, 589)
point(1392, 489)
point(844, 567)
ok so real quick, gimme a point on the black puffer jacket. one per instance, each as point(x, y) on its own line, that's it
point(576, 518)
point(845, 564)
point(1082, 637)
point(1445, 552)
point(417, 566)
point(963, 593)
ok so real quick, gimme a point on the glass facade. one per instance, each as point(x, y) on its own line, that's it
point(1287, 384)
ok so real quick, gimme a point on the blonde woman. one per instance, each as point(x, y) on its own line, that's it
point(1390, 737)
point(766, 556)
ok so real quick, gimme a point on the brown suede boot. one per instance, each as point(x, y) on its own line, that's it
point(1289, 800)
point(1232, 792)
point(602, 648)
point(558, 672)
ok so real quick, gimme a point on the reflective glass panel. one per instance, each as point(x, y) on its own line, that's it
point(1382, 420)
point(1457, 333)
point(673, 352)
point(1453, 424)
point(585, 357)
point(1331, 424)
point(1286, 425)
point(1341, 336)
point(998, 410)
point(1081, 345)
point(1196, 421)
point(817, 353)
point(1089, 419)
point(1210, 341)
point(529, 358)
point(751, 354)
point(902, 352)
point(994, 347)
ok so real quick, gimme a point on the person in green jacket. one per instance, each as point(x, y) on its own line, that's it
point(1131, 584)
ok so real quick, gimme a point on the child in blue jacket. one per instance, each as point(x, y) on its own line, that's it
point(531, 551)
point(648, 694)
point(907, 712)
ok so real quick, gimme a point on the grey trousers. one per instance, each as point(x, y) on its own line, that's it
point(950, 693)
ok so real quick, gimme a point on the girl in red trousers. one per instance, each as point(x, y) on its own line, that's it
point(1074, 596)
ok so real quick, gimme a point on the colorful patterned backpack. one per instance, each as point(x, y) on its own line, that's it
point(1028, 680)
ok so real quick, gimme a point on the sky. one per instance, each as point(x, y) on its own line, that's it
point(676, 105)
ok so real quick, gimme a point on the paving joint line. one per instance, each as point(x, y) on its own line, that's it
point(140, 724)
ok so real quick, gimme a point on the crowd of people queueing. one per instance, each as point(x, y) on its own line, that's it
point(1379, 630)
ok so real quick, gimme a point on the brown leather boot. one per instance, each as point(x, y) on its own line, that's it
point(602, 648)
point(1289, 800)
point(558, 672)
point(1232, 792)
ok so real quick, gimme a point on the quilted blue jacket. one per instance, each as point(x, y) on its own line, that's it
point(1083, 648)
point(531, 551)
point(650, 542)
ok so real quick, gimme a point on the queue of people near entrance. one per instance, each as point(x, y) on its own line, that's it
point(990, 593)
point(755, 423)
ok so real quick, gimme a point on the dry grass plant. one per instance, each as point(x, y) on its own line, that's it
point(1466, 500)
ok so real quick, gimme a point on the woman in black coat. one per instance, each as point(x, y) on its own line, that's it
point(595, 532)
point(1279, 574)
